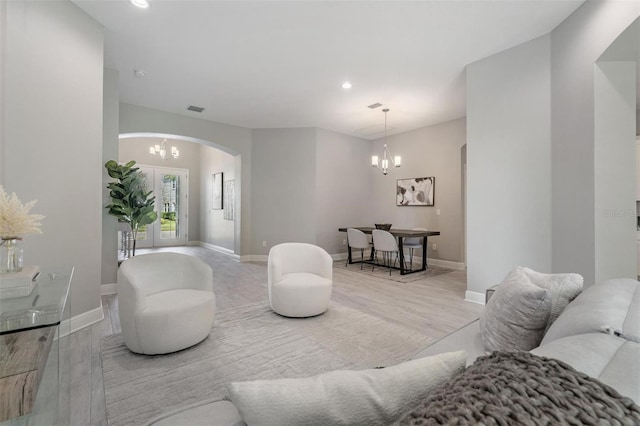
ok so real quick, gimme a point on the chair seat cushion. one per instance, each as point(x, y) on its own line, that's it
point(175, 319)
point(301, 294)
point(302, 279)
point(176, 300)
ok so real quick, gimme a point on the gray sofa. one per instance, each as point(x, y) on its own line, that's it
point(598, 334)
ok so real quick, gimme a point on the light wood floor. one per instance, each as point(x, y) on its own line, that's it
point(416, 304)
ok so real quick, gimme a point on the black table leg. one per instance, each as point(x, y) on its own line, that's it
point(350, 259)
point(424, 253)
point(402, 271)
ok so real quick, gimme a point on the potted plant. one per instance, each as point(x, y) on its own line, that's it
point(130, 201)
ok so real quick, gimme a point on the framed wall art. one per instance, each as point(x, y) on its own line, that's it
point(216, 181)
point(415, 191)
point(229, 197)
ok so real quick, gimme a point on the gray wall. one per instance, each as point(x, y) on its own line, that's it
point(283, 189)
point(231, 139)
point(428, 151)
point(516, 138)
point(52, 134)
point(138, 149)
point(615, 169)
point(343, 187)
point(615, 157)
point(508, 163)
point(3, 37)
point(576, 45)
point(214, 229)
point(109, 152)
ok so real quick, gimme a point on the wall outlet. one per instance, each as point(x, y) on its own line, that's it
point(344, 242)
point(264, 244)
point(434, 246)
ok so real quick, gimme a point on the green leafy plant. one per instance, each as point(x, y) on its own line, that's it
point(130, 200)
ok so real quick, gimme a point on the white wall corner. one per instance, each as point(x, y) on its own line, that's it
point(474, 297)
point(107, 289)
point(218, 249)
point(81, 321)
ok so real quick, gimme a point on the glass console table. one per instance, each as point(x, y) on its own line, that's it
point(34, 352)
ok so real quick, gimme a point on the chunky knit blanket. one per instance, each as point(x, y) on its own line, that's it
point(509, 388)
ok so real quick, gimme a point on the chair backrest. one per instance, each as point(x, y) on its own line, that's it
point(384, 241)
point(414, 240)
point(357, 238)
point(287, 258)
point(157, 272)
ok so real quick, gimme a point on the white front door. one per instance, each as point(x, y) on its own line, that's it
point(171, 188)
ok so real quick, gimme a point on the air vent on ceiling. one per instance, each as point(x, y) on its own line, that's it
point(374, 106)
point(195, 108)
point(372, 131)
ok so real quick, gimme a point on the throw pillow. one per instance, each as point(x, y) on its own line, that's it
point(563, 288)
point(367, 397)
point(516, 316)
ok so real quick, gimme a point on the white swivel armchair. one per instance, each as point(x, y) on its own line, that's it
point(166, 302)
point(300, 279)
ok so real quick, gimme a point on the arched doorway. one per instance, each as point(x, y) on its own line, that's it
point(184, 190)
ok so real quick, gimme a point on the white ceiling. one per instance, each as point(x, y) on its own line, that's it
point(281, 63)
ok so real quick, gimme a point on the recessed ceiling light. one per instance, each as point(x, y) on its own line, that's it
point(346, 85)
point(142, 4)
point(139, 73)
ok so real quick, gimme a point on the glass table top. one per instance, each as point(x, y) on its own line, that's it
point(43, 307)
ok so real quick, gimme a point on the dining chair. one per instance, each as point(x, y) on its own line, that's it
point(412, 243)
point(357, 240)
point(386, 243)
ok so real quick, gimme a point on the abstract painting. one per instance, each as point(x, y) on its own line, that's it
point(415, 191)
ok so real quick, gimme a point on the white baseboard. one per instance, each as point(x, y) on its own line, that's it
point(219, 249)
point(474, 296)
point(107, 289)
point(254, 258)
point(81, 321)
point(445, 263)
point(340, 256)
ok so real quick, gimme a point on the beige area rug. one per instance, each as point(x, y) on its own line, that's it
point(247, 343)
point(383, 271)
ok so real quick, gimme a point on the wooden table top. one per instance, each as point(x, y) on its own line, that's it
point(404, 233)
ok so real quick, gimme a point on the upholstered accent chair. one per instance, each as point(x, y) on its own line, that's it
point(384, 242)
point(412, 243)
point(300, 279)
point(358, 240)
point(166, 302)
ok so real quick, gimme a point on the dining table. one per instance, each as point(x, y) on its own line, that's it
point(400, 234)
